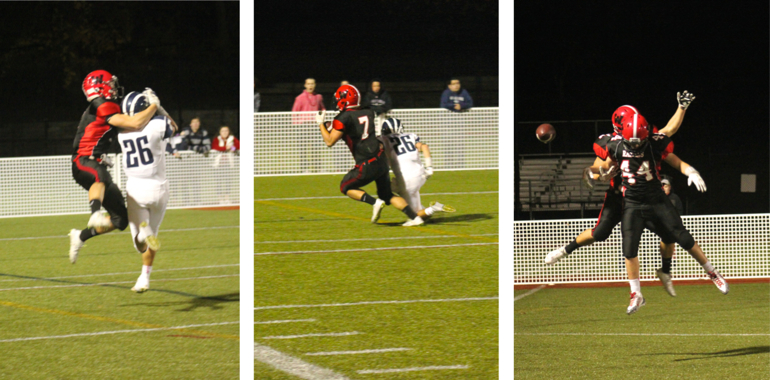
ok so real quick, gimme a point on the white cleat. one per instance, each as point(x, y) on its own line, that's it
point(719, 281)
point(414, 222)
point(99, 219)
point(665, 278)
point(379, 204)
point(440, 207)
point(637, 301)
point(75, 245)
point(142, 284)
point(555, 256)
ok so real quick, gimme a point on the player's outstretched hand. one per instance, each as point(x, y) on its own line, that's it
point(151, 97)
point(684, 99)
point(319, 118)
point(428, 172)
point(588, 178)
point(694, 177)
point(607, 175)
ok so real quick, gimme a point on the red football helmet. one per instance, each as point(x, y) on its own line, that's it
point(619, 116)
point(347, 97)
point(101, 83)
point(635, 130)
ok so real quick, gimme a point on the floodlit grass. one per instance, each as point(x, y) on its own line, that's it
point(452, 258)
point(45, 301)
point(598, 348)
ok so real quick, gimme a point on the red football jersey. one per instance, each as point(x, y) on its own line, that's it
point(94, 131)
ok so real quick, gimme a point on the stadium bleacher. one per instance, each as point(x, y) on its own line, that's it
point(553, 182)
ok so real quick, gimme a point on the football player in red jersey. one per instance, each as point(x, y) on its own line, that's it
point(638, 155)
point(612, 208)
point(356, 127)
point(98, 126)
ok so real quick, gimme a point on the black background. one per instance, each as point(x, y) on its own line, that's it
point(582, 60)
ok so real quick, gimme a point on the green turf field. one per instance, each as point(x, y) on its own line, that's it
point(584, 333)
point(378, 301)
point(82, 321)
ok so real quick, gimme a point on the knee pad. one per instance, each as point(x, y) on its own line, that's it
point(686, 240)
point(601, 234)
point(631, 255)
point(120, 222)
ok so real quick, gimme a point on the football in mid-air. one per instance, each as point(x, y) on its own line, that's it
point(545, 133)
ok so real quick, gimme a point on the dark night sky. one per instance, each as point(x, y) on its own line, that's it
point(581, 60)
point(395, 40)
point(188, 52)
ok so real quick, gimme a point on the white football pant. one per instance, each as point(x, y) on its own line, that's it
point(147, 201)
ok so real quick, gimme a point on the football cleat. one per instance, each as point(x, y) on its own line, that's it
point(637, 301)
point(414, 222)
point(440, 207)
point(555, 256)
point(719, 281)
point(99, 219)
point(75, 245)
point(153, 243)
point(665, 278)
point(379, 204)
point(142, 284)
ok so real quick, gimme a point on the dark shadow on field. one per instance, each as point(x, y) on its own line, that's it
point(210, 302)
point(447, 219)
point(719, 354)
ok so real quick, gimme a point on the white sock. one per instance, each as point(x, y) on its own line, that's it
point(429, 211)
point(636, 287)
point(141, 236)
point(708, 267)
point(146, 270)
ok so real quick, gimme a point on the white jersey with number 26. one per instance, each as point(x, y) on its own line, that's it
point(403, 154)
point(144, 152)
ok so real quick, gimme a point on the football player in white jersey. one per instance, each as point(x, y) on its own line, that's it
point(144, 162)
point(403, 151)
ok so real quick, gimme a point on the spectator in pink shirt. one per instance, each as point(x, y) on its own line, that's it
point(308, 100)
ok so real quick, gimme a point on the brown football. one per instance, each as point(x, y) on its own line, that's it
point(545, 133)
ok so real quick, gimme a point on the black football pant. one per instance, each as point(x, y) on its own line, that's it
point(657, 215)
point(86, 172)
point(374, 170)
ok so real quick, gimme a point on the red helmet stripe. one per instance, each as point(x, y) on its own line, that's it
point(636, 118)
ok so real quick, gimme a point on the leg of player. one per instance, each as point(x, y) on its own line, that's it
point(95, 199)
point(697, 253)
point(377, 204)
point(147, 243)
point(664, 273)
point(637, 300)
point(632, 228)
point(79, 237)
point(414, 219)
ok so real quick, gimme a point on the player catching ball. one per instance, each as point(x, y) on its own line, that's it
point(403, 150)
point(356, 127)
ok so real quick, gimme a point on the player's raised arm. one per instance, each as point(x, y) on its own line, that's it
point(684, 100)
point(136, 122)
point(692, 175)
point(425, 158)
point(330, 137)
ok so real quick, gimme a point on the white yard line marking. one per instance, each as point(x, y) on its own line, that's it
point(116, 282)
point(122, 233)
point(377, 303)
point(370, 239)
point(374, 249)
point(529, 293)
point(294, 366)
point(638, 334)
point(377, 351)
point(311, 335)
point(117, 273)
point(114, 332)
point(395, 370)
point(283, 321)
point(344, 197)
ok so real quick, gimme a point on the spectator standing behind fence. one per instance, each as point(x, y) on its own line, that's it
point(308, 100)
point(196, 138)
point(671, 196)
point(257, 98)
point(376, 98)
point(456, 98)
point(226, 142)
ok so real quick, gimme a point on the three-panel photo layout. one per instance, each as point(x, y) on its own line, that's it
point(384, 190)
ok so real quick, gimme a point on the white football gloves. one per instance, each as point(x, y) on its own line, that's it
point(694, 177)
point(319, 118)
point(428, 172)
point(607, 175)
point(151, 97)
point(684, 99)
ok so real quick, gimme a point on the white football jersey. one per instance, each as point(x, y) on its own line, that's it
point(403, 155)
point(144, 152)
